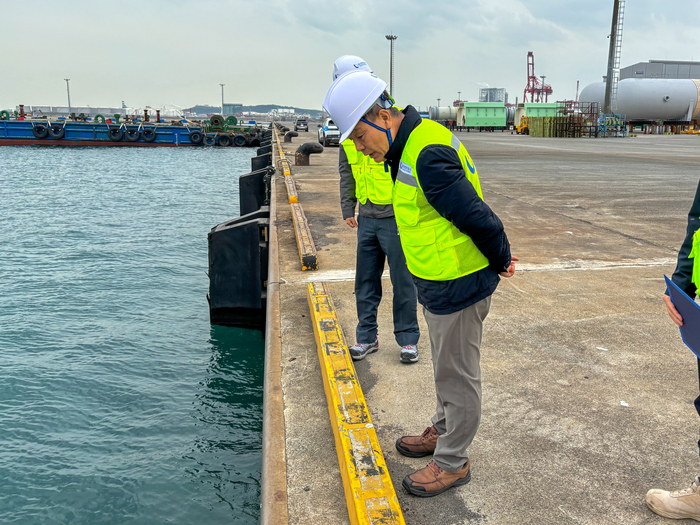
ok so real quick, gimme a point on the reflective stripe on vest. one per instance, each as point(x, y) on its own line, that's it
point(371, 180)
point(434, 248)
point(695, 255)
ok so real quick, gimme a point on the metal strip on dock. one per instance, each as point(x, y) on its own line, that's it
point(369, 493)
point(287, 170)
point(305, 243)
point(307, 250)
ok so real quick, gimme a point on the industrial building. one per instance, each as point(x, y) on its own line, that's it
point(661, 69)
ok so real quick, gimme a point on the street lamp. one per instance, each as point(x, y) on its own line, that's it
point(459, 96)
point(222, 98)
point(438, 102)
point(68, 90)
point(391, 38)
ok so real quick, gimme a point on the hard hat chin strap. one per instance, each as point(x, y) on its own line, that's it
point(383, 103)
point(387, 131)
point(388, 135)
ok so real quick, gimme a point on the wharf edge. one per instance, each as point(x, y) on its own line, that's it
point(273, 482)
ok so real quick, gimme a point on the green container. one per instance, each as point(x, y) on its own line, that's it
point(484, 114)
point(541, 109)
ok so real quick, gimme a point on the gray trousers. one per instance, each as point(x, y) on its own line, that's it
point(455, 340)
point(377, 241)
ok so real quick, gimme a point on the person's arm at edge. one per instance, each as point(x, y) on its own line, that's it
point(683, 274)
point(348, 200)
point(448, 191)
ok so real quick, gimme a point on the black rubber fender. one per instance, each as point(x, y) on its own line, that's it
point(132, 135)
point(115, 134)
point(254, 143)
point(148, 134)
point(40, 131)
point(239, 141)
point(224, 140)
point(209, 140)
point(196, 137)
point(57, 131)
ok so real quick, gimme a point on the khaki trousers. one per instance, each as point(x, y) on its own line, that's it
point(455, 341)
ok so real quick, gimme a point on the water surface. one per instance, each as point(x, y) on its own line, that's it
point(119, 402)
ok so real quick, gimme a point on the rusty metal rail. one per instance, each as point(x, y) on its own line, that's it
point(305, 243)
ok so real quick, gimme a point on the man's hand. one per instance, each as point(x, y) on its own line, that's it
point(511, 268)
point(672, 312)
point(350, 221)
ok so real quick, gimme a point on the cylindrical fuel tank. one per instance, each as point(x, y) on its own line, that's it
point(651, 98)
point(442, 113)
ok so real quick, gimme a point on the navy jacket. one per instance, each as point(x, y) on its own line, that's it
point(447, 189)
point(684, 267)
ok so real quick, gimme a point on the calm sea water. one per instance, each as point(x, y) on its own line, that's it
point(119, 402)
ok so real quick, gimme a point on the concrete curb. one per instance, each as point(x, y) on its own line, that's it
point(273, 492)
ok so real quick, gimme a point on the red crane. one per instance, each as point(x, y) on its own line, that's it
point(539, 91)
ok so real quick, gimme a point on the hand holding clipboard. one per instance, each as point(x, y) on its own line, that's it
point(690, 312)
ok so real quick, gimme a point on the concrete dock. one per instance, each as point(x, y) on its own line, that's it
point(587, 387)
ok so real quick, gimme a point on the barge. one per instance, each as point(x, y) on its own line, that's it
point(217, 131)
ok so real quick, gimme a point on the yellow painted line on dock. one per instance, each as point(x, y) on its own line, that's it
point(307, 250)
point(369, 493)
point(286, 168)
point(305, 243)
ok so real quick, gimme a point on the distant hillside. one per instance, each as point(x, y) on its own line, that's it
point(260, 108)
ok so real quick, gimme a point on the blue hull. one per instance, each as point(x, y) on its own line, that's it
point(16, 132)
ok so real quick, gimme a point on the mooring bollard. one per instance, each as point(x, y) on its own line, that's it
point(288, 136)
point(306, 149)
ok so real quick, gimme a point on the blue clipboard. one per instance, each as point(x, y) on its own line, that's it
point(690, 312)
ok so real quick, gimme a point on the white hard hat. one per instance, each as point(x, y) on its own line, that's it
point(349, 63)
point(350, 97)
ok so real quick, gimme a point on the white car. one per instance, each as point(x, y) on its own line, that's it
point(328, 133)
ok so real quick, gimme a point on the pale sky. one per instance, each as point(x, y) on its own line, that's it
point(157, 52)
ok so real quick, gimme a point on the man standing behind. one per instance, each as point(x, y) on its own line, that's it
point(455, 247)
point(683, 504)
point(377, 240)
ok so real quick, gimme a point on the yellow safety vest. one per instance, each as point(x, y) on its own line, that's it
point(695, 254)
point(434, 248)
point(371, 180)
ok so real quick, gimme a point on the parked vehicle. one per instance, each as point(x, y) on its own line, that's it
point(328, 133)
point(301, 125)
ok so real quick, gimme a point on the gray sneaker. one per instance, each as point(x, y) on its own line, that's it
point(409, 354)
point(360, 350)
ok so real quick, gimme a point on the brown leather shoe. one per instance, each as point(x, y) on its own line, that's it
point(418, 446)
point(432, 480)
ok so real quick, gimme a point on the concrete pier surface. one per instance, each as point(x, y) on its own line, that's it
point(587, 387)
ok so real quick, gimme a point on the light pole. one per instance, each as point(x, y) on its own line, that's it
point(391, 38)
point(438, 102)
point(68, 90)
point(222, 98)
point(459, 96)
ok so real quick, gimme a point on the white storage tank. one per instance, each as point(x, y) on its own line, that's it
point(651, 98)
point(442, 113)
